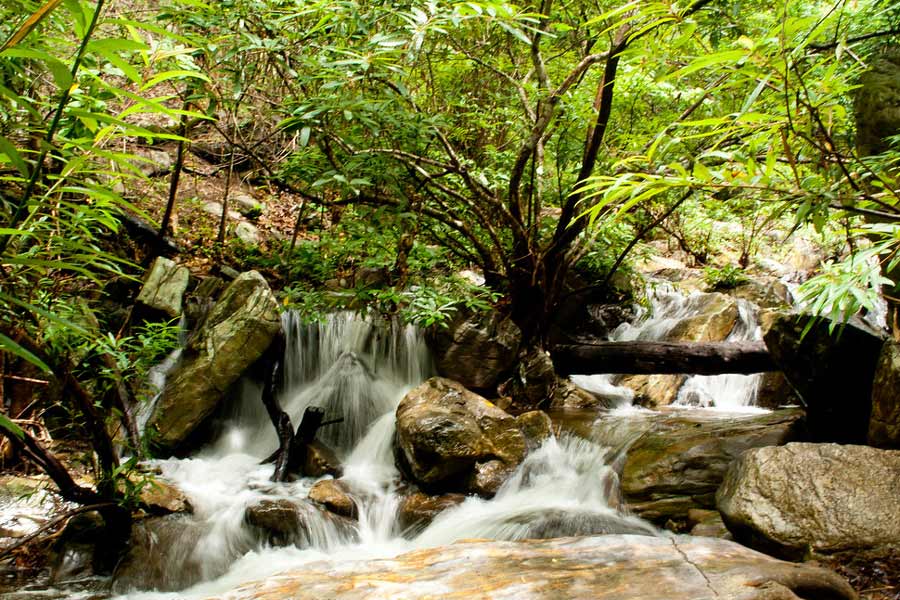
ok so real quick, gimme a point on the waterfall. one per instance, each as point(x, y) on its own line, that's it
point(667, 308)
point(357, 369)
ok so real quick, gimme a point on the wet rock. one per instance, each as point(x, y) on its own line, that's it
point(533, 383)
point(487, 477)
point(476, 350)
point(285, 522)
point(164, 286)
point(234, 335)
point(555, 523)
point(161, 497)
point(335, 496)
point(161, 556)
point(775, 390)
point(813, 497)
point(444, 431)
point(320, 460)
point(247, 233)
point(707, 523)
point(536, 427)
point(199, 302)
point(717, 316)
point(678, 464)
point(884, 424)
point(75, 553)
point(609, 567)
point(417, 510)
point(653, 391)
point(769, 295)
point(832, 373)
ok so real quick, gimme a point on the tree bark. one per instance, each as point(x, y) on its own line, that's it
point(643, 358)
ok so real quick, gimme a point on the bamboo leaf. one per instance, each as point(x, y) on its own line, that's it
point(29, 24)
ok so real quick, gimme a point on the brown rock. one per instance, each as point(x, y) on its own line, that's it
point(609, 567)
point(444, 430)
point(536, 427)
point(417, 510)
point(334, 495)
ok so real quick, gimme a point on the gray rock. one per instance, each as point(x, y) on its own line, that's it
point(678, 464)
point(884, 424)
point(247, 233)
point(606, 567)
point(152, 162)
point(813, 497)
point(832, 373)
point(246, 204)
point(215, 209)
point(476, 350)
point(235, 333)
point(449, 438)
point(164, 286)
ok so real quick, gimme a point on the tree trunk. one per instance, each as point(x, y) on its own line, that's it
point(642, 358)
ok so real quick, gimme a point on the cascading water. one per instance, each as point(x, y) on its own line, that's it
point(668, 308)
point(358, 370)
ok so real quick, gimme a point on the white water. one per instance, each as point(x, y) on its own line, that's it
point(359, 371)
point(726, 393)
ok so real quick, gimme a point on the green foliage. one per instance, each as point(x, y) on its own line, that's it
point(772, 135)
point(725, 278)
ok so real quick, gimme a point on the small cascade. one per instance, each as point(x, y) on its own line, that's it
point(356, 369)
point(566, 487)
point(728, 392)
point(667, 309)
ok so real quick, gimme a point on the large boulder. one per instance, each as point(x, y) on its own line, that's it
point(164, 287)
point(476, 350)
point(884, 425)
point(832, 372)
point(678, 464)
point(608, 567)
point(451, 439)
point(235, 333)
point(804, 497)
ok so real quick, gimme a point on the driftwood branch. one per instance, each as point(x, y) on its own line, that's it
point(698, 358)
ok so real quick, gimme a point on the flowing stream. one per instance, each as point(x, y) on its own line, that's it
point(357, 370)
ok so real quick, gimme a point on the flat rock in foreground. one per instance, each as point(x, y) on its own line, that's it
point(613, 567)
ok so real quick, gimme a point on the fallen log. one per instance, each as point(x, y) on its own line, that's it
point(648, 358)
